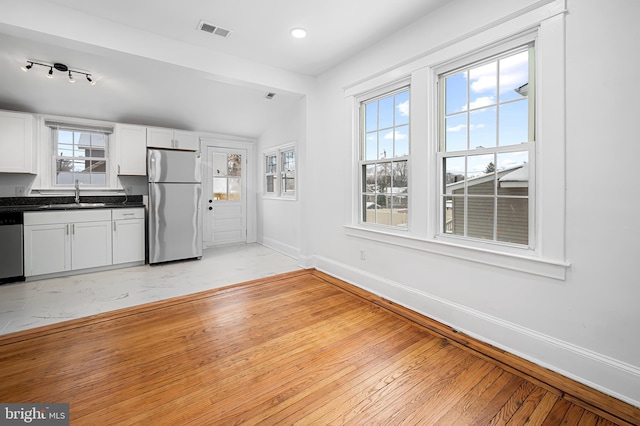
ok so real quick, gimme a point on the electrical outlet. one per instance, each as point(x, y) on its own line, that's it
point(20, 190)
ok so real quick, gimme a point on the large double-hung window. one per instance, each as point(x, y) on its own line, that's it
point(486, 146)
point(384, 158)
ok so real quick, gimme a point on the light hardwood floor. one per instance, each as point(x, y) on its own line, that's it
point(298, 348)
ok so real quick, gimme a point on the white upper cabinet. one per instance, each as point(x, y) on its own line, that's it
point(173, 139)
point(131, 149)
point(17, 144)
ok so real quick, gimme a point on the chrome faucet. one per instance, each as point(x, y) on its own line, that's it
point(77, 192)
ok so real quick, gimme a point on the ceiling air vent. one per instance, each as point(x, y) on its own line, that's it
point(212, 29)
point(270, 95)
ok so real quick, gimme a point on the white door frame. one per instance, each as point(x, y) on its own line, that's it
point(250, 176)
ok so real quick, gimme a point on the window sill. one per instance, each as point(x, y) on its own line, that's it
point(275, 197)
point(522, 263)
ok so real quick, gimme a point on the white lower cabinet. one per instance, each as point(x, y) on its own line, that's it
point(63, 241)
point(128, 235)
point(47, 248)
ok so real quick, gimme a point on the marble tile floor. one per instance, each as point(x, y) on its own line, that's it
point(33, 304)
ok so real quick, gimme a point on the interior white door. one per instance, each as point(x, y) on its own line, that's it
point(225, 212)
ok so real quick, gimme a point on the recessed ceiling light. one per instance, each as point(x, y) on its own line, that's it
point(298, 32)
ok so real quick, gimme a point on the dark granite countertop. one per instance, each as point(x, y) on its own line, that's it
point(25, 204)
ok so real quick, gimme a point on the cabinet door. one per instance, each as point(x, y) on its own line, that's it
point(90, 244)
point(186, 140)
point(159, 138)
point(47, 249)
point(128, 241)
point(132, 150)
point(16, 140)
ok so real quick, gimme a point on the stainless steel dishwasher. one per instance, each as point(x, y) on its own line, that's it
point(11, 247)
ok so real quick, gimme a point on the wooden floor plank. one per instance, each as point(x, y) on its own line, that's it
point(291, 349)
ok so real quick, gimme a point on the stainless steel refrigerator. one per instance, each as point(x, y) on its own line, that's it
point(175, 195)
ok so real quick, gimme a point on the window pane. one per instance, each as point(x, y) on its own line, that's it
point(288, 183)
point(480, 217)
point(289, 161)
point(383, 180)
point(219, 165)
point(514, 123)
point(270, 166)
point(65, 137)
point(369, 178)
point(219, 188)
point(481, 174)
point(483, 81)
point(97, 140)
point(98, 179)
point(456, 93)
point(454, 179)
point(482, 128)
point(399, 211)
point(370, 207)
point(401, 147)
point(453, 215)
point(270, 184)
point(479, 166)
point(513, 171)
point(234, 165)
point(400, 176)
point(386, 144)
point(513, 220)
point(514, 76)
point(235, 192)
point(371, 117)
point(402, 108)
point(386, 112)
point(371, 146)
point(456, 133)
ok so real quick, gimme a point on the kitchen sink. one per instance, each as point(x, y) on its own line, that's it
point(68, 206)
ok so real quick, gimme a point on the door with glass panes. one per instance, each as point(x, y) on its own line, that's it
point(225, 213)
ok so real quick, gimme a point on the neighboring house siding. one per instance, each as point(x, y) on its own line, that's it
point(512, 224)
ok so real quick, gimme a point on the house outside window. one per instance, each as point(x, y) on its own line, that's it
point(280, 172)
point(288, 172)
point(271, 173)
point(384, 158)
point(80, 153)
point(486, 144)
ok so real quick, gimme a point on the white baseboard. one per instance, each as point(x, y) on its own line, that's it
point(608, 375)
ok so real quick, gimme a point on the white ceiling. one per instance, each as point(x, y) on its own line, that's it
point(153, 66)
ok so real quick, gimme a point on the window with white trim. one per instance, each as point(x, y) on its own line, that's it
point(280, 172)
point(485, 146)
point(496, 200)
point(80, 153)
point(384, 158)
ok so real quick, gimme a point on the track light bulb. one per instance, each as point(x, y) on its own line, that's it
point(50, 73)
point(91, 82)
point(71, 79)
point(26, 68)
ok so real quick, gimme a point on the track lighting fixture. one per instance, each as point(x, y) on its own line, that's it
point(59, 67)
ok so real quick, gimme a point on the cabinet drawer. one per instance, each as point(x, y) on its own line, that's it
point(133, 213)
point(44, 218)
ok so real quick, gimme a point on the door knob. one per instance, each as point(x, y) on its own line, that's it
point(210, 208)
point(210, 201)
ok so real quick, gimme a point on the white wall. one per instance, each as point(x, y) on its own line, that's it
point(280, 223)
point(585, 326)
